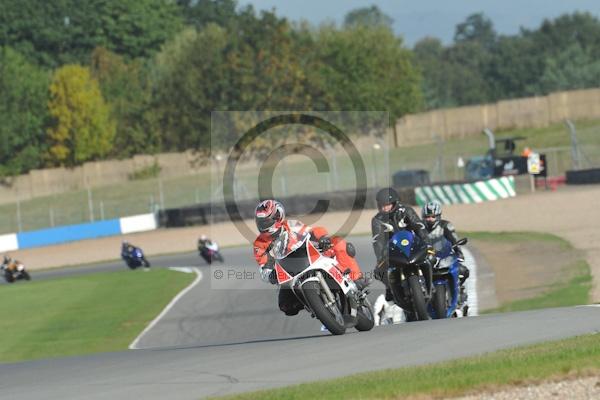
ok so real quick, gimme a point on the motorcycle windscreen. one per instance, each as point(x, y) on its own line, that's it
point(442, 247)
point(402, 241)
point(296, 261)
point(288, 242)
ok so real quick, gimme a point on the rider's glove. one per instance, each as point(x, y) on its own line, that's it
point(268, 274)
point(378, 273)
point(325, 243)
point(431, 255)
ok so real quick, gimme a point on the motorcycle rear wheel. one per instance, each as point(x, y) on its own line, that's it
point(312, 294)
point(439, 302)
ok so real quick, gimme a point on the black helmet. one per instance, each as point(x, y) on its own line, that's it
point(385, 197)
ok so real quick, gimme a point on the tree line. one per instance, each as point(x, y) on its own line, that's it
point(87, 80)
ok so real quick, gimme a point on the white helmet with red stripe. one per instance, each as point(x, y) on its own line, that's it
point(269, 216)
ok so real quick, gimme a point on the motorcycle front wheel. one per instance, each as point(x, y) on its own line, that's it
point(418, 298)
point(333, 321)
point(366, 320)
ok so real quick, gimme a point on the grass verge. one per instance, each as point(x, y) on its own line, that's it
point(84, 314)
point(575, 356)
point(574, 290)
point(519, 237)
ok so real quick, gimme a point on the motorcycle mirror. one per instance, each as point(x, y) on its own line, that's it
point(461, 242)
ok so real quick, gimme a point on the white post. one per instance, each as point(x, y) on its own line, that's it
point(51, 210)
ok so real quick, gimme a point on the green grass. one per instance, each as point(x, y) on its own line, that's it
point(580, 355)
point(519, 237)
point(84, 314)
point(143, 195)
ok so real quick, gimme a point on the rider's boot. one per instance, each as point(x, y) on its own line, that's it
point(462, 296)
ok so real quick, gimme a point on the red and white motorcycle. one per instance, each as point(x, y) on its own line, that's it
point(326, 292)
point(210, 252)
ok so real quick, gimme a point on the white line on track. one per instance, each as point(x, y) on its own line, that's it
point(134, 344)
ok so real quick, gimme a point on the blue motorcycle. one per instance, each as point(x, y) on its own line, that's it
point(134, 257)
point(409, 274)
point(446, 285)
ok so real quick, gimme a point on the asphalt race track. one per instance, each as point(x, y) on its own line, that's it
point(216, 342)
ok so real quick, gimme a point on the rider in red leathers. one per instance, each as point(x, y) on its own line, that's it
point(271, 222)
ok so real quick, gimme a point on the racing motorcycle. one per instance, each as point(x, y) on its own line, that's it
point(135, 258)
point(210, 252)
point(409, 274)
point(446, 289)
point(14, 272)
point(326, 292)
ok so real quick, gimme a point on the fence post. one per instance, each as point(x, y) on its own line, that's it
point(284, 188)
point(90, 203)
point(575, 152)
point(161, 193)
point(19, 223)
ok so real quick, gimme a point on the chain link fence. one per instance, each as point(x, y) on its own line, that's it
point(294, 175)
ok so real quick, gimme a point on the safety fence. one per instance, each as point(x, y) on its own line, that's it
point(205, 214)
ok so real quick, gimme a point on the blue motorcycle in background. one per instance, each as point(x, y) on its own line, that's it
point(134, 257)
point(446, 290)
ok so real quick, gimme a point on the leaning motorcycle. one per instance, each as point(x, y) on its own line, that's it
point(446, 284)
point(326, 292)
point(210, 252)
point(14, 273)
point(135, 258)
point(409, 274)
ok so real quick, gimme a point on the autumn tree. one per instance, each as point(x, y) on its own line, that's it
point(82, 129)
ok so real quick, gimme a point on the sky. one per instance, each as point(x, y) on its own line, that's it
point(415, 19)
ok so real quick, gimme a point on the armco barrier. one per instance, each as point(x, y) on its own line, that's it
point(71, 233)
point(8, 242)
point(68, 233)
point(473, 192)
point(583, 176)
